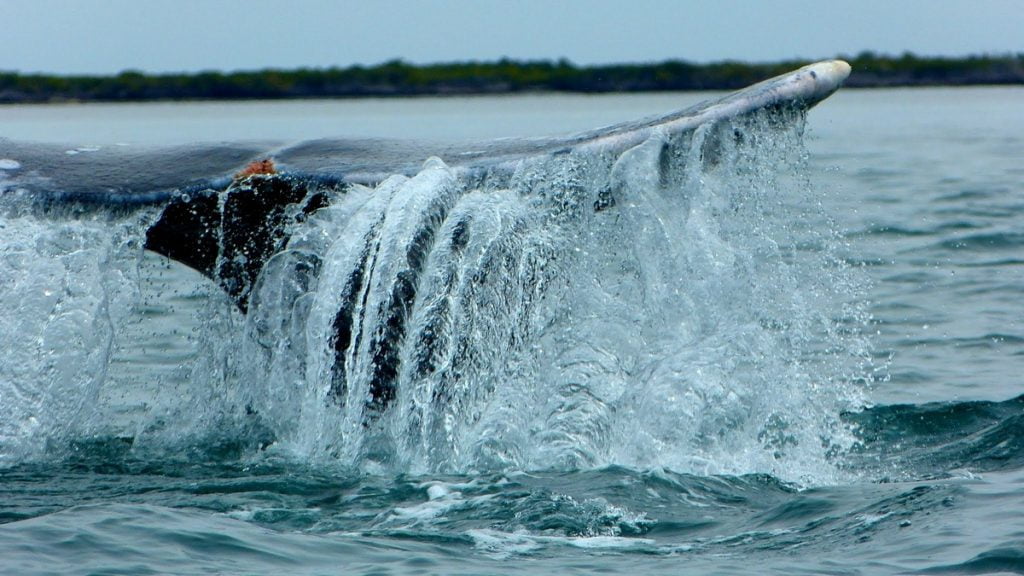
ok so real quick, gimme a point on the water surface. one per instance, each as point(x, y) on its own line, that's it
point(874, 426)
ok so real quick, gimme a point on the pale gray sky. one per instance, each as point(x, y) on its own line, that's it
point(107, 36)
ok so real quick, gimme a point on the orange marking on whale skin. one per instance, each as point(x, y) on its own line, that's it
point(265, 166)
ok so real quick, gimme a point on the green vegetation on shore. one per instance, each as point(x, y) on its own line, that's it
point(397, 78)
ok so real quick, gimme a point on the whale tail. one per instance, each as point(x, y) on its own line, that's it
point(228, 226)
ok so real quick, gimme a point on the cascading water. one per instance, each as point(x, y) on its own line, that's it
point(659, 308)
point(65, 287)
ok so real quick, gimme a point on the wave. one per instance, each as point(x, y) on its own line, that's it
point(262, 513)
point(903, 441)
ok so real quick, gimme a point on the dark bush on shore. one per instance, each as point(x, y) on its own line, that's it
point(398, 78)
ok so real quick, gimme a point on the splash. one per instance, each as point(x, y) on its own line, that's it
point(675, 306)
point(66, 284)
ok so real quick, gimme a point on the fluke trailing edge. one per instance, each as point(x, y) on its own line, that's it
point(412, 241)
point(129, 175)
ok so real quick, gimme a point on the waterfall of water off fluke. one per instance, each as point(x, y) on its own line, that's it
point(678, 305)
point(67, 282)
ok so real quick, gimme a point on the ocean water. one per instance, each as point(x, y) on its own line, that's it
point(804, 357)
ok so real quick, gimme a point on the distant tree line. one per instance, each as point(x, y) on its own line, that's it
point(398, 78)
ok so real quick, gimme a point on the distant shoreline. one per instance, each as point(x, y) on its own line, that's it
point(397, 78)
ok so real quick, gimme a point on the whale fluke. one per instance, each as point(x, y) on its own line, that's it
point(414, 248)
point(227, 228)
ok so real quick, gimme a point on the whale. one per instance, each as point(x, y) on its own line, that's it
point(231, 211)
point(197, 228)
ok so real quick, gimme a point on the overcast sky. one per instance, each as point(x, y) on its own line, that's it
point(107, 36)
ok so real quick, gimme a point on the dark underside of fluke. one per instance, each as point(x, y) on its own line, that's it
point(228, 236)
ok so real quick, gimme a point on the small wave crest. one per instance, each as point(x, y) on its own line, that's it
point(901, 442)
